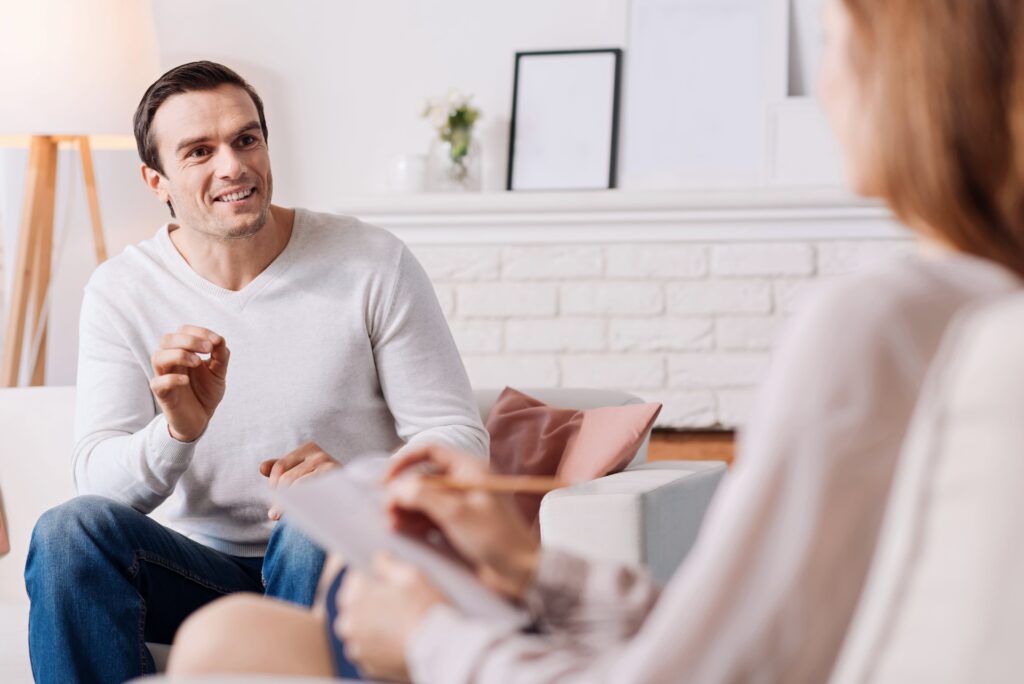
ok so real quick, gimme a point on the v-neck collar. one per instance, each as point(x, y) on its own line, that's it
point(236, 299)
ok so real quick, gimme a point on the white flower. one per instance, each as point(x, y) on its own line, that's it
point(436, 111)
point(456, 99)
point(439, 117)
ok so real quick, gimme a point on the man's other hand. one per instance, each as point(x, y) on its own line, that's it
point(308, 459)
point(188, 387)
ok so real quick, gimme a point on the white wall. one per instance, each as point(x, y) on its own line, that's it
point(688, 324)
point(343, 83)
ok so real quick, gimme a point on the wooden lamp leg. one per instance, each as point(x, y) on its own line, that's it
point(43, 265)
point(34, 257)
point(85, 150)
point(37, 220)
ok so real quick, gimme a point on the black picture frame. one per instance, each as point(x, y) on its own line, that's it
point(612, 171)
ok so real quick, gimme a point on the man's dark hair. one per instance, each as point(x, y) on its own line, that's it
point(183, 79)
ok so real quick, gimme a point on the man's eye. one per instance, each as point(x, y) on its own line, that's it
point(247, 140)
point(198, 152)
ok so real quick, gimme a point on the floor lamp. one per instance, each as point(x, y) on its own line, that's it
point(72, 69)
point(32, 264)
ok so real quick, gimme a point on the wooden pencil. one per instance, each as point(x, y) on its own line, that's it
point(501, 484)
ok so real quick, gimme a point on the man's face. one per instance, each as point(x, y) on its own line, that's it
point(215, 161)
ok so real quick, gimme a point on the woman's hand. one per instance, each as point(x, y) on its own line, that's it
point(378, 612)
point(486, 529)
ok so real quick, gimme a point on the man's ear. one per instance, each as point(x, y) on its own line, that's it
point(155, 181)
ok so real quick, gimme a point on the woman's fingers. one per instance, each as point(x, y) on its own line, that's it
point(443, 460)
point(415, 493)
point(402, 464)
point(410, 523)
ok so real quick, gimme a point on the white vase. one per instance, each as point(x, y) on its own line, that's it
point(452, 173)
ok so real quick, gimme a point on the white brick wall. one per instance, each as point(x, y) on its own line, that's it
point(690, 325)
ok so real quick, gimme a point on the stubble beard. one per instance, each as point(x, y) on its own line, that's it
point(211, 229)
point(250, 229)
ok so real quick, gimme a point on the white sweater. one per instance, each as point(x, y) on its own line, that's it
point(339, 341)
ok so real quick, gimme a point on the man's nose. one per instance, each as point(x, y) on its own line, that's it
point(228, 164)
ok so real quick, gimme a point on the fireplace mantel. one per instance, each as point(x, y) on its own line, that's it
point(614, 216)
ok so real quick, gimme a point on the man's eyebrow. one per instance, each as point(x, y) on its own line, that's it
point(189, 142)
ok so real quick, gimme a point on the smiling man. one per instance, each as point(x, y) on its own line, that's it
point(338, 347)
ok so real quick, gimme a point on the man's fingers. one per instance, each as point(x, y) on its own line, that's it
point(172, 360)
point(165, 385)
point(294, 473)
point(287, 462)
point(204, 333)
point(318, 462)
point(219, 358)
point(309, 452)
point(266, 466)
point(317, 469)
point(193, 343)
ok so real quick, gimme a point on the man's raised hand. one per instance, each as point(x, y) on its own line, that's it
point(187, 387)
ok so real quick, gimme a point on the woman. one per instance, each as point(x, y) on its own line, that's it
point(926, 101)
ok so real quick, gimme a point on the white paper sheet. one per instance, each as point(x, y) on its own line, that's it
point(343, 511)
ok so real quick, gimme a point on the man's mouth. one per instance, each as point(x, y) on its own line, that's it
point(236, 196)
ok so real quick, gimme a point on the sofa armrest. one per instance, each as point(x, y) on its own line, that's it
point(648, 515)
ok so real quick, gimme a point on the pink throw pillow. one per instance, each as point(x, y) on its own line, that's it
point(528, 437)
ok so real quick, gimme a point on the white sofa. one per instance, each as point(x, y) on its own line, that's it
point(647, 515)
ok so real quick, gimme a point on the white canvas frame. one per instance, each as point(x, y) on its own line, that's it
point(564, 133)
point(701, 78)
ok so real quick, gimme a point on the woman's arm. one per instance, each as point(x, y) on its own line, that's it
point(769, 588)
point(596, 603)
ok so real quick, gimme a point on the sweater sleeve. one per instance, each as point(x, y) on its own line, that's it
point(123, 449)
point(419, 368)
point(594, 604)
point(769, 588)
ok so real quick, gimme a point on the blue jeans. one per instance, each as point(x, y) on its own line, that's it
point(104, 579)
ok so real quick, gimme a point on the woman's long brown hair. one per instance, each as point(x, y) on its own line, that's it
point(943, 84)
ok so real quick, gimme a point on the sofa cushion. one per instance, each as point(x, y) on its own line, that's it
point(528, 437)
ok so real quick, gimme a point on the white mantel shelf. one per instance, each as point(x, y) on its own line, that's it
point(614, 216)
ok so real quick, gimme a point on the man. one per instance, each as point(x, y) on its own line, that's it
point(241, 332)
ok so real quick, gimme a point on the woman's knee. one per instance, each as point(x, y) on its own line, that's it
point(199, 642)
point(250, 633)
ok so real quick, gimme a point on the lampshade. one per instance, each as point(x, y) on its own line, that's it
point(74, 67)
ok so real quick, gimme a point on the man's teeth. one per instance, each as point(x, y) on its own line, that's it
point(235, 196)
